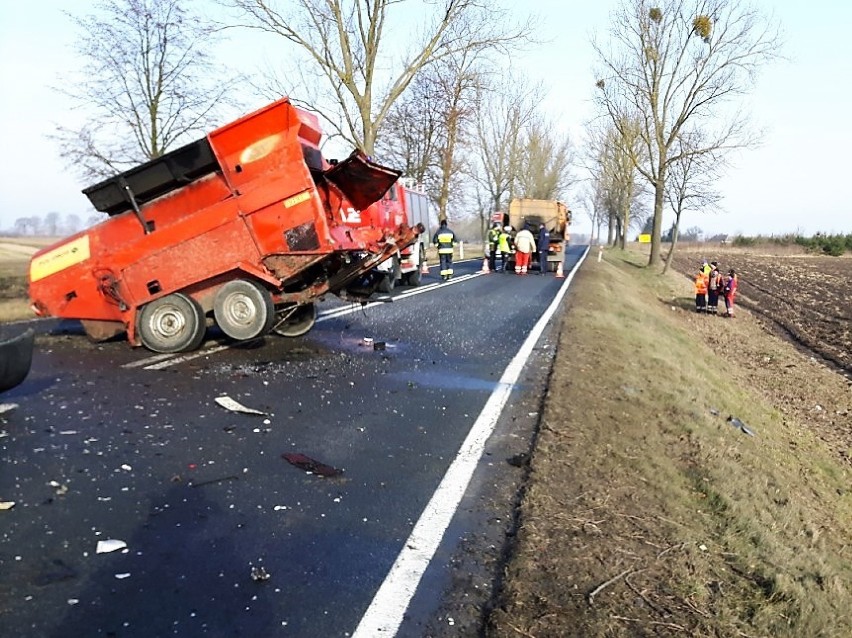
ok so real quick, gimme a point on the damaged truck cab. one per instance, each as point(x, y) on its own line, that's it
point(245, 228)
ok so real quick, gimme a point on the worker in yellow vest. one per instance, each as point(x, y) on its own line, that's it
point(445, 240)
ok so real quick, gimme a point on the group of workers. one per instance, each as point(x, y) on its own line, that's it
point(502, 244)
point(710, 285)
point(523, 245)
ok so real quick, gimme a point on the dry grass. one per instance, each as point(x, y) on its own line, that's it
point(648, 514)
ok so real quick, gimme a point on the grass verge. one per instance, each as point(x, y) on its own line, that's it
point(646, 512)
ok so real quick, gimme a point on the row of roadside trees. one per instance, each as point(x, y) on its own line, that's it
point(429, 88)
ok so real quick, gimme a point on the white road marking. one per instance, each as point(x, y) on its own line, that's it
point(384, 615)
point(187, 357)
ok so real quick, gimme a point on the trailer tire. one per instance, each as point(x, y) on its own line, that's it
point(174, 323)
point(244, 310)
point(299, 321)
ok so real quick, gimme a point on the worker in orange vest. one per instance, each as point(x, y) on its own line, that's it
point(701, 290)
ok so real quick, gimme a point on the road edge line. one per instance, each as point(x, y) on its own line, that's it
point(385, 613)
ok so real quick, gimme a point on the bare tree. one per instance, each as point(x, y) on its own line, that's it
point(615, 149)
point(681, 64)
point(691, 184)
point(146, 84)
point(503, 115)
point(547, 159)
point(51, 224)
point(348, 44)
point(428, 125)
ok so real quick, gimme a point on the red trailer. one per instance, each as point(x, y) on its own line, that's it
point(246, 227)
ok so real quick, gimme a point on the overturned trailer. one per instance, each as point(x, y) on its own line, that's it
point(247, 227)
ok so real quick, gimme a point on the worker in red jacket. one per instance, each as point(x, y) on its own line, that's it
point(701, 291)
point(730, 291)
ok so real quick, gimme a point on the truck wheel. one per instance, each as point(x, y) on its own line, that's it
point(294, 322)
point(388, 282)
point(244, 309)
point(414, 277)
point(174, 323)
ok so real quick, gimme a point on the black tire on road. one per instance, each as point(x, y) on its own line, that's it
point(388, 282)
point(174, 323)
point(244, 309)
point(299, 321)
point(413, 278)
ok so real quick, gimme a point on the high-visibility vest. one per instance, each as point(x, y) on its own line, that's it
point(701, 284)
point(444, 239)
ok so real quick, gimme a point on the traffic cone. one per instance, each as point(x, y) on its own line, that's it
point(485, 266)
point(560, 274)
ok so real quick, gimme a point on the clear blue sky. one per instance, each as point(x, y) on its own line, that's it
point(796, 181)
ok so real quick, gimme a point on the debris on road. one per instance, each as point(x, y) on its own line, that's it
point(60, 489)
point(311, 466)
point(519, 460)
point(6, 505)
point(234, 406)
point(7, 407)
point(259, 574)
point(215, 480)
point(110, 545)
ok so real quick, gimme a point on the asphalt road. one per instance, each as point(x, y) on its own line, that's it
point(224, 536)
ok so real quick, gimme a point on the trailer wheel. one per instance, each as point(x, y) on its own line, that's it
point(174, 323)
point(294, 322)
point(244, 310)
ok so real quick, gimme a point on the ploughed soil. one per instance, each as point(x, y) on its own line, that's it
point(808, 297)
point(692, 474)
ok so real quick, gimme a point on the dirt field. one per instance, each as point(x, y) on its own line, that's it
point(808, 297)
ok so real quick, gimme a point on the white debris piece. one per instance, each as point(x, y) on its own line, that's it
point(122, 576)
point(110, 545)
point(234, 406)
point(6, 505)
point(7, 407)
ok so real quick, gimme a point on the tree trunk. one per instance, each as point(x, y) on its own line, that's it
point(674, 242)
point(659, 197)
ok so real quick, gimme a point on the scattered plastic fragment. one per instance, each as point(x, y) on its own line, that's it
point(259, 574)
point(734, 421)
point(123, 576)
point(310, 465)
point(519, 460)
point(235, 406)
point(73, 601)
point(68, 432)
point(714, 411)
point(7, 407)
point(110, 545)
point(379, 345)
point(368, 341)
point(58, 488)
point(126, 467)
point(6, 505)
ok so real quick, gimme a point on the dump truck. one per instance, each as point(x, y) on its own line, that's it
point(402, 204)
point(246, 228)
point(555, 216)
